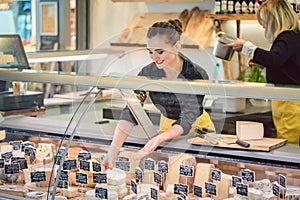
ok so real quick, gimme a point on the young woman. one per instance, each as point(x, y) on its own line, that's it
point(282, 61)
point(180, 113)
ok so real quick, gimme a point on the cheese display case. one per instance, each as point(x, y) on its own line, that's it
point(36, 165)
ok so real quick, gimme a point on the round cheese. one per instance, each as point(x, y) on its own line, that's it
point(115, 177)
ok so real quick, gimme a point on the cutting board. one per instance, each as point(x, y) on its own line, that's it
point(266, 144)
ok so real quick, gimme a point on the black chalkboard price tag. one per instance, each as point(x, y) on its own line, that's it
point(6, 156)
point(81, 178)
point(101, 193)
point(197, 191)
point(16, 144)
point(248, 175)
point(138, 174)
point(276, 189)
point(181, 189)
point(38, 176)
point(282, 180)
point(26, 144)
point(99, 178)
point(62, 184)
point(163, 166)
point(216, 174)
point(124, 159)
point(96, 167)
point(21, 161)
point(2, 163)
point(84, 156)
point(210, 188)
point(235, 180)
point(69, 165)
point(57, 159)
point(181, 197)
point(186, 170)
point(29, 150)
point(64, 175)
point(11, 168)
point(84, 165)
point(157, 178)
point(123, 165)
point(154, 193)
point(133, 186)
point(242, 189)
point(149, 164)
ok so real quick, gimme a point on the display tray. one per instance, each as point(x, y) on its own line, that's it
point(266, 144)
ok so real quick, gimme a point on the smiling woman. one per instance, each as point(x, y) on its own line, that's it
point(180, 113)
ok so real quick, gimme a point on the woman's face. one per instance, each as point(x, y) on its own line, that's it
point(161, 52)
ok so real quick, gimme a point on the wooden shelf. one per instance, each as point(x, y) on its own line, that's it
point(156, 1)
point(234, 16)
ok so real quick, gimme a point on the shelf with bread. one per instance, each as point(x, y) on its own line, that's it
point(157, 1)
point(234, 16)
point(197, 29)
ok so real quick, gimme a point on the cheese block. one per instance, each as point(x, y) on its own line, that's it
point(120, 189)
point(44, 153)
point(130, 197)
point(145, 188)
point(48, 170)
point(269, 196)
point(36, 195)
point(90, 195)
point(14, 190)
point(70, 192)
point(223, 186)
point(173, 175)
point(164, 196)
point(247, 130)
point(254, 193)
point(264, 185)
point(115, 176)
point(202, 175)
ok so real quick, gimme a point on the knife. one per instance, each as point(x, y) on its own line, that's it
point(213, 138)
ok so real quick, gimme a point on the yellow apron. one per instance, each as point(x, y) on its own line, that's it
point(286, 116)
point(202, 121)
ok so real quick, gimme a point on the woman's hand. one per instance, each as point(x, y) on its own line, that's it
point(148, 148)
point(111, 157)
point(253, 64)
point(236, 45)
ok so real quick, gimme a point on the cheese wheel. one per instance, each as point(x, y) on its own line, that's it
point(115, 176)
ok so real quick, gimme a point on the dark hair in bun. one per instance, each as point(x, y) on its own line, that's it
point(172, 29)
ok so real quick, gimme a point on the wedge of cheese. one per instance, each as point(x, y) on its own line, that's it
point(247, 130)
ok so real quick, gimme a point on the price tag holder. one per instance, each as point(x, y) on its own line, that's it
point(99, 178)
point(248, 175)
point(2, 163)
point(26, 144)
point(81, 178)
point(133, 186)
point(282, 180)
point(123, 159)
point(84, 165)
point(163, 166)
point(186, 170)
point(149, 164)
point(276, 190)
point(84, 156)
point(69, 164)
point(157, 178)
point(181, 189)
point(16, 145)
point(210, 188)
point(138, 174)
point(123, 165)
point(235, 180)
point(29, 150)
point(12, 168)
point(96, 167)
point(216, 174)
point(197, 191)
point(242, 189)
point(154, 193)
point(38, 176)
point(62, 184)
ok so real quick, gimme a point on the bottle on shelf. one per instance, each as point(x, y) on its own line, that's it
point(230, 6)
point(256, 6)
point(244, 7)
point(218, 6)
point(224, 9)
point(238, 7)
point(251, 6)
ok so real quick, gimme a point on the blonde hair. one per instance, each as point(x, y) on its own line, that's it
point(277, 16)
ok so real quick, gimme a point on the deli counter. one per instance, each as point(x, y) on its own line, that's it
point(192, 170)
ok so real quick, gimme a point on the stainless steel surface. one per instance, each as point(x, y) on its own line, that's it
point(235, 89)
point(219, 50)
